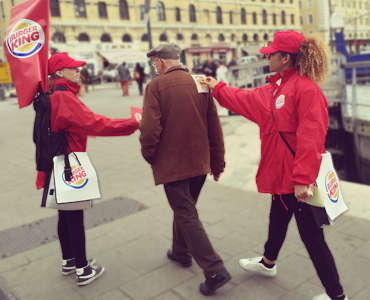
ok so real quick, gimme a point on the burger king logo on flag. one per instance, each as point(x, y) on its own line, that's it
point(25, 39)
point(332, 186)
point(79, 177)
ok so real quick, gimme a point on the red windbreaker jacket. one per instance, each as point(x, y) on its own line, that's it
point(298, 108)
point(68, 113)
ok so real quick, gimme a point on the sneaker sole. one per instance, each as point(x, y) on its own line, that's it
point(91, 279)
point(259, 272)
point(218, 286)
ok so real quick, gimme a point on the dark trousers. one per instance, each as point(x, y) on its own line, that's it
point(189, 236)
point(140, 84)
point(71, 232)
point(311, 235)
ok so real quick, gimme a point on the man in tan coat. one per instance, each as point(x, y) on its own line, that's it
point(181, 137)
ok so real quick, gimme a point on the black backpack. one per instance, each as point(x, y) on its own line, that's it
point(48, 143)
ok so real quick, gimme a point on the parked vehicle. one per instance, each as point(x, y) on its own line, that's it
point(247, 59)
point(94, 70)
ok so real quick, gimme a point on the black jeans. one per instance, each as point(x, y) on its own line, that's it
point(189, 236)
point(311, 235)
point(71, 232)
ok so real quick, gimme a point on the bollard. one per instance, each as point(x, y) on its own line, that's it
point(2, 93)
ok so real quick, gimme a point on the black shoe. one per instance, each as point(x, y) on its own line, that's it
point(214, 282)
point(70, 266)
point(171, 256)
point(88, 274)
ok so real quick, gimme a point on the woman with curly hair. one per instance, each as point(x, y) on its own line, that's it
point(292, 114)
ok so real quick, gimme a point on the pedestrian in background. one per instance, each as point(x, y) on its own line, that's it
point(84, 74)
point(209, 67)
point(181, 138)
point(290, 110)
point(221, 72)
point(139, 76)
point(69, 114)
point(125, 77)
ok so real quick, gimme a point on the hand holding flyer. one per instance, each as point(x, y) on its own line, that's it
point(198, 79)
point(136, 113)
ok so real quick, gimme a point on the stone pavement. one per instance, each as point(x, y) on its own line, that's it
point(133, 249)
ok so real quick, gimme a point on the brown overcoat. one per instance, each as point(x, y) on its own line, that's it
point(181, 135)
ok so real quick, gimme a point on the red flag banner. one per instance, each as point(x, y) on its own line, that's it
point(26, 47)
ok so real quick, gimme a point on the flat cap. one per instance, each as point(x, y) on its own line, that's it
point(165, 51)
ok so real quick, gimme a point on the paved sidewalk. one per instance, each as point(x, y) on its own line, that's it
point(133, 249)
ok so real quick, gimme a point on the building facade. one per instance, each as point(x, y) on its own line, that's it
point(315, 18)
point(202, 28)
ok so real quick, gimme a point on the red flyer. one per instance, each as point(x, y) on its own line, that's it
point(136, 113)
point(26, 47)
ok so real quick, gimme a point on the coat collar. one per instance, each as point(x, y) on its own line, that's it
point(174, 69)
point(72, 87)
point(286, 75)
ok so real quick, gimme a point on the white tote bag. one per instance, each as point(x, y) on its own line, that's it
point(327, 192)
point(84, 183)
point(51, 202)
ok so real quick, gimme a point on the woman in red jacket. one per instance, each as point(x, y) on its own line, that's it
point(291, 104)
point(69, 114)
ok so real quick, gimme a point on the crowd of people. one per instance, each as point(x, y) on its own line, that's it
point(181, 138)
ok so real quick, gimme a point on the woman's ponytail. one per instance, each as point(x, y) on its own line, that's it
point(313, 60)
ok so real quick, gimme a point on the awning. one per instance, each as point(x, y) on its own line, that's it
point(220, 47)
point(198, 50)
point(123, 56)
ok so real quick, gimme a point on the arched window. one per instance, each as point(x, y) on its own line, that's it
point(179, 37)
point(105, 38)
point(266, 37)
point(194, 37)
point(221, 37)
point(264, 17)
point(160, 12)
point(163, 37)
point(145, 37)
point(83, 37)
point(243, 18)
point(208, 38)
point(54, 8)
point(126, 38)
point(219, 15)
point(192, 16)
point(292, 19)
point(283, 17)
point(177, 14)
point(233, 37)
point(58, 37)
point(254, 16)
point(231, 17)
point(274, 19)
point(123, 10)
point(255, 37)
point(245, 37)
point(282, 1)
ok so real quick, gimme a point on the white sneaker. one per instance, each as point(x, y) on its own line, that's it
point(325, 297)
point(254, 265)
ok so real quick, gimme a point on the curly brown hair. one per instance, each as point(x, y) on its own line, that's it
point(51, 84)
point(313, 60)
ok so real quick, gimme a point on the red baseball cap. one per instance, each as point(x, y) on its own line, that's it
point(62, 60)
point(287, 41)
